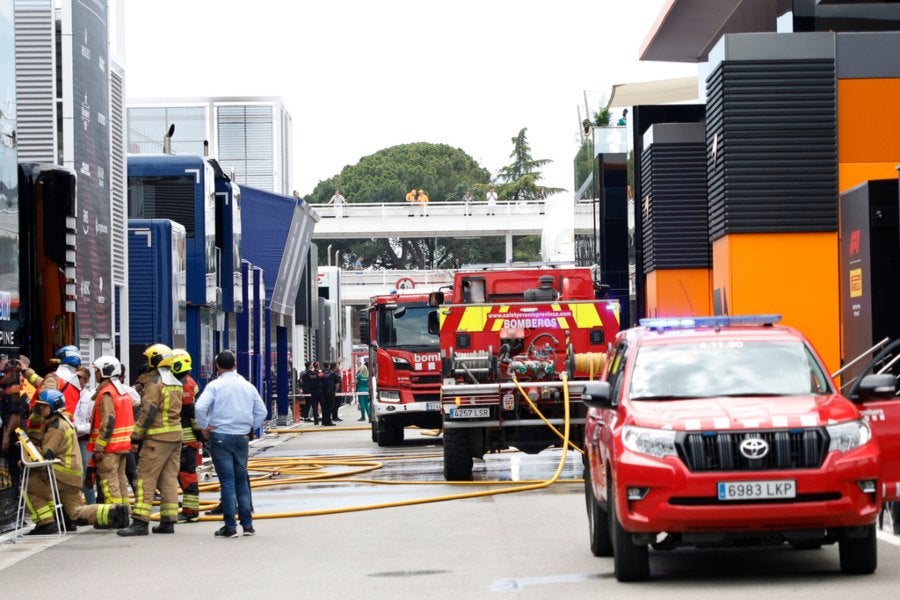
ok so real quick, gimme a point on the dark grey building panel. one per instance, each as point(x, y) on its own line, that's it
point(673, 208)
point(868, 55)
point(772, 147)
point(772, 47)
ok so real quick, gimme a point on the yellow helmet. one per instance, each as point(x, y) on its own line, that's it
point(155, 353)
point(178, 361)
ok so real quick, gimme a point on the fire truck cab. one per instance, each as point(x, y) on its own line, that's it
point(404, 365)
point(508, 333)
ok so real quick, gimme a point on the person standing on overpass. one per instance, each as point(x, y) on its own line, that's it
point(338, 201)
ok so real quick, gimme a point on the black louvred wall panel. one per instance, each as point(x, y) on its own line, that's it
point(771, 138)
point(674, 207)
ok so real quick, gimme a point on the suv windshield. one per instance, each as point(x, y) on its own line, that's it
point(726, 368)
point(405, 326)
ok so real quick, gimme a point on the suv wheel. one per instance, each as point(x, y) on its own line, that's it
point(859, 555)
point(598, 521)
point(631, 562)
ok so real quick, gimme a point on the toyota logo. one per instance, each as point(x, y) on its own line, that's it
point(754, 448)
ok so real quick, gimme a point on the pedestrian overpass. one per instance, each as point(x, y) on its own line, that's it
point(455, 220)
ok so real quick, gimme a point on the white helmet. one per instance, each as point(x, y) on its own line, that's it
point(108, 367)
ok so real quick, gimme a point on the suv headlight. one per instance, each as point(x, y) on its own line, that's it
point(655, 442)
point(847, 436)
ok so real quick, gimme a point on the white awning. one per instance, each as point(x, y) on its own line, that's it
point(664, 91)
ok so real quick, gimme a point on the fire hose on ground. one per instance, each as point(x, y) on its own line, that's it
point(308, 470)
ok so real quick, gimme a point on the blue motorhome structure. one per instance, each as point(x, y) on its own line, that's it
point(157, 262)
point(228, 243)
point(182, 188)
point(277, 232)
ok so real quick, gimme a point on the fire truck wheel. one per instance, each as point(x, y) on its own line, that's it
point(859, 555)
point(598, 521)
point(389, 434)
point(630, 561)
point(374, 432)
point(457, 455)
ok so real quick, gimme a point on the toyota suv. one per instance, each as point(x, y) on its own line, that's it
point(727, 431)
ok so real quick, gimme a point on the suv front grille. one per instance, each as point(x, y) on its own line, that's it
point(720, 451)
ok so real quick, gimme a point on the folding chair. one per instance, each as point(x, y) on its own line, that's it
point(32, 459)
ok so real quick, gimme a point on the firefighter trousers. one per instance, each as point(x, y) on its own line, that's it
point(157, 468)
point(113, 483)
point(187, 477)
point(40, 503)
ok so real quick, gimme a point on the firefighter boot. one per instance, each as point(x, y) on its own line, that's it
point(164, 527)
point(136, 528)
point(119, 517)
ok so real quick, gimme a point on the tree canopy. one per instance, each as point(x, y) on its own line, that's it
point(388, 174)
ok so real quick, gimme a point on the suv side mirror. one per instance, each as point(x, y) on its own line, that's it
point(435, 298)
point(597, 394)
point(877, 387)
point(434, 323)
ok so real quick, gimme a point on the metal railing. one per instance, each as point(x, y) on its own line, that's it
point(385, 210)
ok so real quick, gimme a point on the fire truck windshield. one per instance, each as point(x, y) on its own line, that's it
point(407, 326)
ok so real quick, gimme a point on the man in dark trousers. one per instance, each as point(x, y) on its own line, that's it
point(317, 394)
point(337, 401)
point(310, 406)
point(324, 386)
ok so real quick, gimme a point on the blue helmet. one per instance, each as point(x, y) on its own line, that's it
point(54, 399)
point(69, 355)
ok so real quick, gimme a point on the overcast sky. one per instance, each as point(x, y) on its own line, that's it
point(358, 76)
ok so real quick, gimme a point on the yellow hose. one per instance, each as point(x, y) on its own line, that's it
point(592, 362)
point(275, 465)
point(542, 418)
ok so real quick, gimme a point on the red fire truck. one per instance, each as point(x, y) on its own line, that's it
point(511, 327)
point(404, 365)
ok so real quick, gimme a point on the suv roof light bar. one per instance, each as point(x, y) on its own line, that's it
point(719, 321)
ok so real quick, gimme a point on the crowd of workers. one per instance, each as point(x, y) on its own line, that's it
point(321, 384)
point(114, 436)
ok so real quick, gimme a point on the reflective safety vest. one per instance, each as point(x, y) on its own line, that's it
point(188, 420)
point(160, 412)
point(72, 395)
point(60, 441)
point(117, 441)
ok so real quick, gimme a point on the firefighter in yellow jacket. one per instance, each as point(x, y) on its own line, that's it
point(179, 361)
point(59, 441)
point(111, 428)
point(159, 426)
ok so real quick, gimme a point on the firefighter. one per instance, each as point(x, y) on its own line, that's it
point(59, 441)
point(153, 354)
point(180, 364)
point(112, 424)
point(64, 379)
point(159, 429)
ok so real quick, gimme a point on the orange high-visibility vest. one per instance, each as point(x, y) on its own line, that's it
point(120, 439)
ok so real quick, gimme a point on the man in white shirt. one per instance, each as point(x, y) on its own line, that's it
point(338, 201)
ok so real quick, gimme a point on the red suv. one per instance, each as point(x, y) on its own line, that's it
point(725, 431)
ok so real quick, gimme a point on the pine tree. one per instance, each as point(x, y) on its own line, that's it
point(519, 180)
